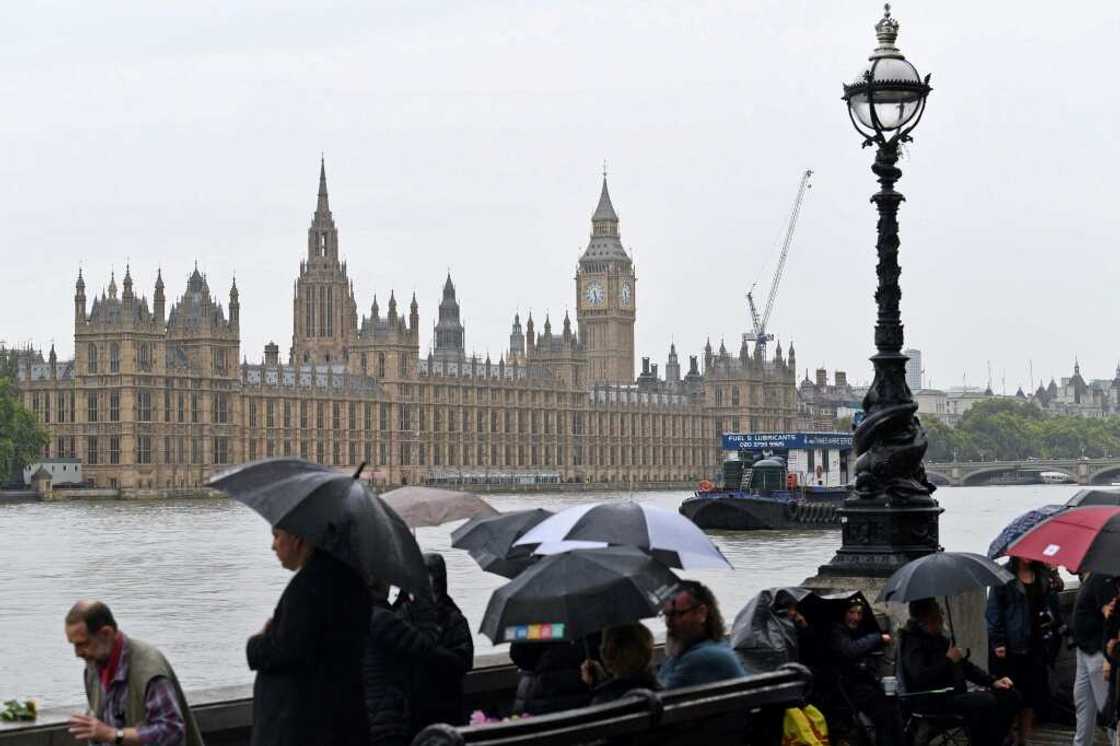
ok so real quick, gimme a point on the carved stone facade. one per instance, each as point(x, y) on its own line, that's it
point(154, 402)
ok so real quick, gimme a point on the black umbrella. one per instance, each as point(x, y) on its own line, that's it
point(335, 512)
point(943, 574)
point(489, 540)
point(568, 596)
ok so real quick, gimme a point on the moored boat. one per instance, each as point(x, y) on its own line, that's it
point(763, 496)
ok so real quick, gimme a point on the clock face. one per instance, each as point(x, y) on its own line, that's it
point(595, 294)
point(625, 294)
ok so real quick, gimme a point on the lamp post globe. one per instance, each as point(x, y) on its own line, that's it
point(888, 97)
point(889, 516)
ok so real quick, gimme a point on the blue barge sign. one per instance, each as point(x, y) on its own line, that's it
point(786, 441)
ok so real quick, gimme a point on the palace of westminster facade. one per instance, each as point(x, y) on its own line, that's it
point(155, 397)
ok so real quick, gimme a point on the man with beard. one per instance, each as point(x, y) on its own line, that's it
point(695, 650)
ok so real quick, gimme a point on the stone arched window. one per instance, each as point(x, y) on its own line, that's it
point(114, 358)
point(381, 365)
point(145, 356)
point(734, 396)
point(91, 358)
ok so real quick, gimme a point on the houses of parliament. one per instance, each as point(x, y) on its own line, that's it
point(161, 396)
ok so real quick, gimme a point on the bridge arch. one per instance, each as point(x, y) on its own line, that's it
point(1107, 475)
point(979, 476)
point(940, 478)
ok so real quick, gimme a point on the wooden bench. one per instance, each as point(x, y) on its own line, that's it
point(744, 711)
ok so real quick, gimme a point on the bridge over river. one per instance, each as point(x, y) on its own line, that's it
point(1100, 471)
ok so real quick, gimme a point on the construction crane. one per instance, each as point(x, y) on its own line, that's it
point(760, 336)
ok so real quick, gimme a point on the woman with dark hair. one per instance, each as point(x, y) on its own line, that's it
point(627, 653)
point(1022, 616)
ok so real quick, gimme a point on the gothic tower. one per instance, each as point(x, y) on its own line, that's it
point(324, 315)
point(606, 298)
point(449, 343)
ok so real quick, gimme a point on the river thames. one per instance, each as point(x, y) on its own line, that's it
point(197, 577)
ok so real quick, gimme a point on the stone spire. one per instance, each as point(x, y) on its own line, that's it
point(516, 338)
point(414, 314)
point(530, 333)
point(323, 207)
point(322, 236)
point(127, 283)
point(547, 326)
point(80, 299)
point(567, 326)
point(673, 366)
point(159, 301)
point(234, 304)
point(113, 285)
point(392, 306)
point(375, 309)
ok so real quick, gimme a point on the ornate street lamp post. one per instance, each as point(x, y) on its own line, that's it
point(889, 517)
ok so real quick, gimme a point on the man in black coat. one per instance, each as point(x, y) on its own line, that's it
point(930, 661)
point(308, 656)
point(438, 685)
point(397, 648)
point(853, 646)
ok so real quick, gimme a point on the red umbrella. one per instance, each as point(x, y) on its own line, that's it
point(1080, 539)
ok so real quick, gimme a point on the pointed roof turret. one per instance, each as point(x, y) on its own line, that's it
point(448, 287)
point(414, 306)
point(605, 209)
point(233, 294)
point(127, 282)
point(112, 284)
point(323, 206)
point(80, 285)
point(547, 325)
point(567, 324)
point(708, 346)
point(392, 304)
point(375, 309)
point(605, 243)
point(159, 278)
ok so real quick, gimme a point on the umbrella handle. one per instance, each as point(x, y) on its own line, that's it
point(358, 473)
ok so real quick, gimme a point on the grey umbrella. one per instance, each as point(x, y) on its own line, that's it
point(1094, 496)
point(430, 506)
point(335, 512)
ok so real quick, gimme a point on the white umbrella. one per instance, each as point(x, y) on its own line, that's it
point(666, 535)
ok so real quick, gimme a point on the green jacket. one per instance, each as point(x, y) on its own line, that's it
point(145, 663)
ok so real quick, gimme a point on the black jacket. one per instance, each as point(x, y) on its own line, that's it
point(852, 653)
point(550, 677)
point(925, 667)
point(1088, 621)
point(308, 662)
point(394, 648)
point(1008, 614)
point(618, 687)
point(438, 686)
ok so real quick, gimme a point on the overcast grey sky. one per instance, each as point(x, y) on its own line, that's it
point(470, 136)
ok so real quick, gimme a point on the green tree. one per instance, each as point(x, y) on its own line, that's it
point(21, 438)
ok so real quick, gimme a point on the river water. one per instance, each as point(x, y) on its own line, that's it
point(197, 577)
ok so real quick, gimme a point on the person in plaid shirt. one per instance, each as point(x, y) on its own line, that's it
point(134, 696)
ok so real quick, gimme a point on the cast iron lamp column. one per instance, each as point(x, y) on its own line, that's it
point(889, 517)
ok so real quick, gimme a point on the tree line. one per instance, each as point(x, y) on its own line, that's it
point(1014, 430)
point(21, 437)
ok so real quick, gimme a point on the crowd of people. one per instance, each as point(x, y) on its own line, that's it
point(339, 663)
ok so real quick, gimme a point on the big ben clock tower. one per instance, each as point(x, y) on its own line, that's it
point(606, 298)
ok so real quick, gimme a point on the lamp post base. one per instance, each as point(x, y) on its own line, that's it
point(878, 538)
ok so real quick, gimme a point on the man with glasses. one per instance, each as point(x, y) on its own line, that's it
point(696, 652)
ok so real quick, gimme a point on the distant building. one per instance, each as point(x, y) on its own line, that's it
point(61, 470)
point(913, 368)
point(820, 403)
point(1076, 397)
point(162, 394)
point(932, 403)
